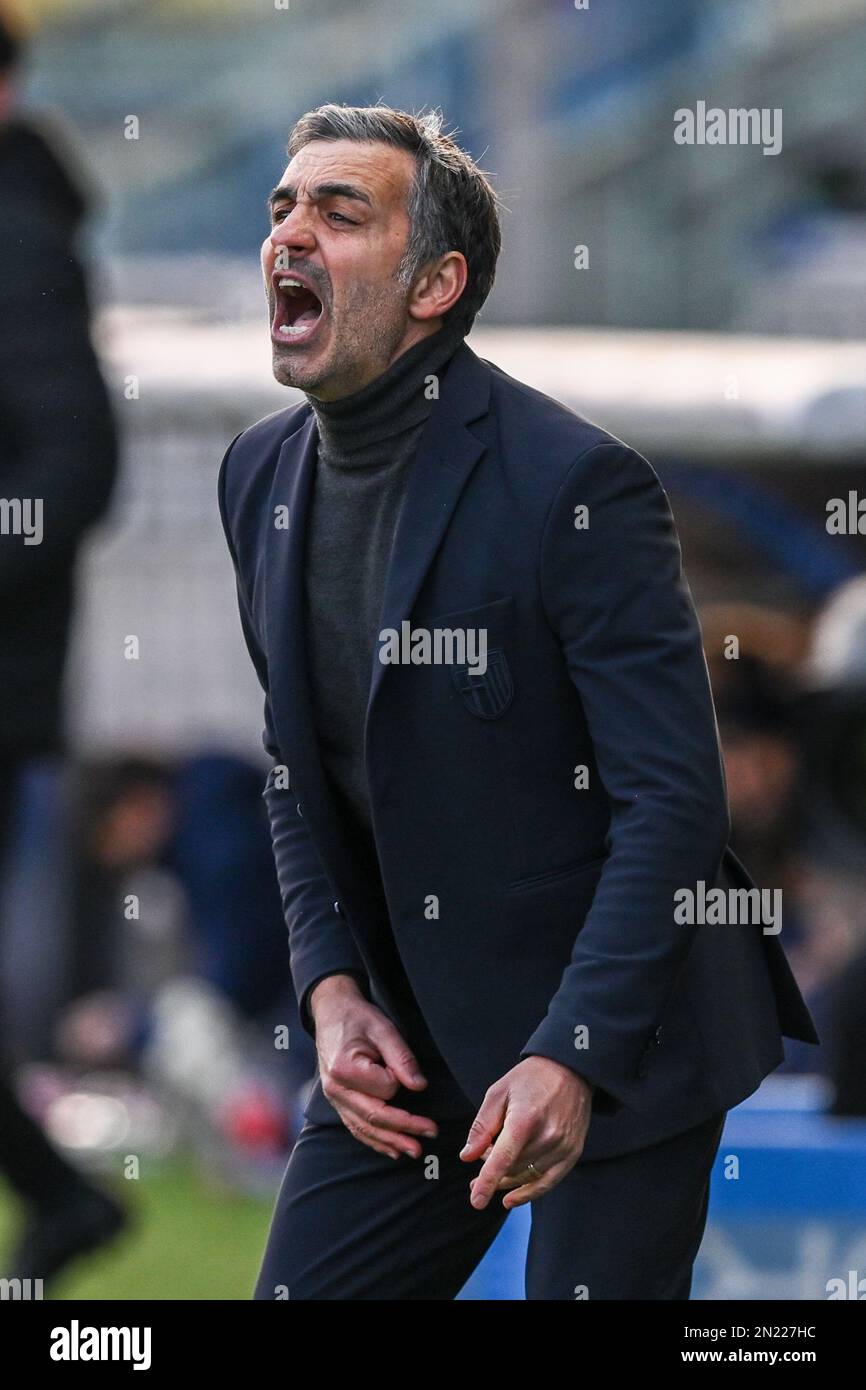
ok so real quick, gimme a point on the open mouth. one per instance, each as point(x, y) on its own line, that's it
point(298, 310)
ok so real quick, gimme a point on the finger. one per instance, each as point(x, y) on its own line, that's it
point(540, 1150)
point(543, 1159)
point(513, 1180)
point(531, 1191)
point(398, 1055)
point(486, 1126)
point(508, 1183)
point(395, 1145)
point(507, 1157)
point(358, 1071)
point(379, 1122)
point(359, 1132)
point(377, 1115)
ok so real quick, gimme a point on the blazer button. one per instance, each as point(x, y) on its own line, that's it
point(299, 811)
point(338, 908)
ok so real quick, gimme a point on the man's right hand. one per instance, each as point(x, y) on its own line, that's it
point(363, 1061)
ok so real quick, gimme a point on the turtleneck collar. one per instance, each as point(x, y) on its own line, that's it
point(388, 410)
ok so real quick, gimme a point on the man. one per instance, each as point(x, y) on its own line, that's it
point(479, 844)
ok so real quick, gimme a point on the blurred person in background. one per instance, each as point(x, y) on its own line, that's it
point(792, 719)
point(762, 739)
point(835, 715)
point(197, 969)
point(58, 458)
point(756, 711)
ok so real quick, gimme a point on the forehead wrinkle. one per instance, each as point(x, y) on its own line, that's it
point(386, 182)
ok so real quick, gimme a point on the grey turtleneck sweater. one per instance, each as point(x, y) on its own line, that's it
point(366, 445)
point(367, 442)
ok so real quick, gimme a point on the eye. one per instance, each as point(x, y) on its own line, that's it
point(342, 218)
point(278, 214)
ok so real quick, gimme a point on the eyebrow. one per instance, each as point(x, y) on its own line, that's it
point(287, 192)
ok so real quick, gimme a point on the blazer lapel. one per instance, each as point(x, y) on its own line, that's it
point(291, 702)
point(446, 456)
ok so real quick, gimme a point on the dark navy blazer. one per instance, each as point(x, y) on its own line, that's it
point(533, 914)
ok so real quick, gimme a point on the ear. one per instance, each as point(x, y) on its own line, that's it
point(439, 286)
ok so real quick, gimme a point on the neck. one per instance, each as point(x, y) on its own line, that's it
point(388, 410)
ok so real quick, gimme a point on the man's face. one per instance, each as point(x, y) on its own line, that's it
point(339, 225)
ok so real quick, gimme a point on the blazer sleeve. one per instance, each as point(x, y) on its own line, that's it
point(320, 942)
point(614, 593)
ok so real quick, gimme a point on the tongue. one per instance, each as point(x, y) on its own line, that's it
point(308, 316)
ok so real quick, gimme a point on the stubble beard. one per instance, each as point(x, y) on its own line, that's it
point(364, 336)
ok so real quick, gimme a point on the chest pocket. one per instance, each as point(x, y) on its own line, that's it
point(486, 695)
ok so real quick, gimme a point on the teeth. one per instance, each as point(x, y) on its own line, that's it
point(287, 284)
point(291, 330)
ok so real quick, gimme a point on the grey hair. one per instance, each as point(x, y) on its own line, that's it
point(451, 204)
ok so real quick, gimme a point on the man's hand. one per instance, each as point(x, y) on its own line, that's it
point(363, 1061)
point(537, 1113)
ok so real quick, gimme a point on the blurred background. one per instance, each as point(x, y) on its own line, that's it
point(714, 318)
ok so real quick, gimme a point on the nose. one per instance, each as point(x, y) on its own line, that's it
point(295, 232)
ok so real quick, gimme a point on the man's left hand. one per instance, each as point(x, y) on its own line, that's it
point(537, 1113)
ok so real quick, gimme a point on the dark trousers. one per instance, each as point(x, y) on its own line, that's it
point(350, 1223)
